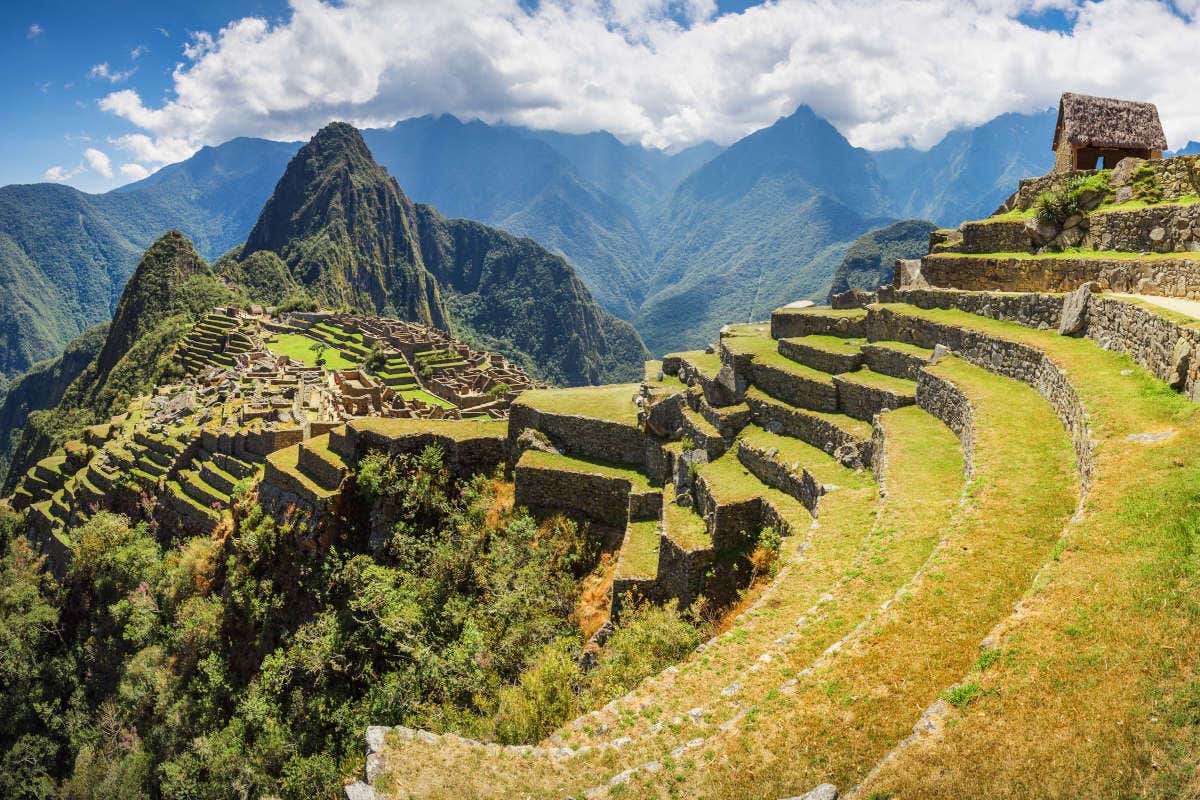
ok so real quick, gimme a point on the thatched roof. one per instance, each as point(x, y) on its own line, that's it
point(1107, 122)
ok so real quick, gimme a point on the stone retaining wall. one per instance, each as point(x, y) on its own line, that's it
point(1168, 350)
point(1030, 310)
point(728, 523)
point(863, 401)
point(1171, 277)
point(598, 439)
point(463, 457)
point(889, 361)
point(1157, 228)
point(597, 497)
point(765, 465)
point(795, 389)
point(788, 325)
point(325, 474)
point(942, 399)
point(819, 359)
point(811, 429)
point(1011, 359)
point(995, 236)
point(681, 572)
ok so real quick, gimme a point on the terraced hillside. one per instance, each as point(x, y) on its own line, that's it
point(984, 533)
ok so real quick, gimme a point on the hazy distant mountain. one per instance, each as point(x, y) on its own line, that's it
point(970, 172)
point(676, 243)
point(763, 223)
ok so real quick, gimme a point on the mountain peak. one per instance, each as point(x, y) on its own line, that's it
point(346, 231)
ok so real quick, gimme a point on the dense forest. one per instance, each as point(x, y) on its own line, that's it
point(249, 663)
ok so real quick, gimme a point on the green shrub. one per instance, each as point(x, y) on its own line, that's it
point(648, 639)
point(543, 699)
point(1145, 185)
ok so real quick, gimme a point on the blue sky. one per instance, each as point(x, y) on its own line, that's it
point(51, 114)
point(99, 94)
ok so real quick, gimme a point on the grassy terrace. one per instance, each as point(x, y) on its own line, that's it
point(825, 311)
point(425, 397)
point(857, 428)
point(299, 348)
point(860, 553)
point(613, 403)
point(457, 430)
point(683, 525)
point(708, 364)
point(764, 351)
point(830, 344)
point(801, 454)
point(1023, 493)
point(905, 347)
point(639, 552)
point(554, 461)
point(866, 377)
point(1109, 638)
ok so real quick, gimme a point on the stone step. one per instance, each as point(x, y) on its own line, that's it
point(234, 466)
point(217, 478)
point(685, 551)
point(864, 394)
point(736, 504)
point(283, 472)
point(195, 487)
point(186, 505)
point(832, 354)
point(756, 360)
point(702, 433)
point(728, 420)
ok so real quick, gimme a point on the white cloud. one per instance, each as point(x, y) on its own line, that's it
point(99, 161)
point(105, 72)
point(133, 171)
point(60, 174)
point(138, 52)
point(666, 72)
point(34, 31)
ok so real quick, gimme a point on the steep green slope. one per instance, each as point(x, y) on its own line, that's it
point(347, 232)
point(764, 223)
point(65, 255)
point(350, 236)
point(871, 260)
point(169, 291)
point(43, 387)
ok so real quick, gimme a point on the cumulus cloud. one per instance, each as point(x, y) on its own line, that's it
point(666, 73)
point(34, 31)
point(60, 174)
point(99, 161)
point(103, 71)
point(134, 171)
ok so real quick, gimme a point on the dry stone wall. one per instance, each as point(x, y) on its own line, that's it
point(598, 439)
point(1011, 359)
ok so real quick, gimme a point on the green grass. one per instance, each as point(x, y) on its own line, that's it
point(830, 344)
point(877, 380)
point(613, 402)
point(682, 525)
point(905, 347)
point(426, 397)
point(708, 364)
point(639, 551)
point(299, 348)
point(764, 352)
point(825, 311)
point(554, 461)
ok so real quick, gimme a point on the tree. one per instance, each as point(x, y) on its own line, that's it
point(319, 349)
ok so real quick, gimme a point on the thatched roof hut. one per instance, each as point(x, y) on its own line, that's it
point(1091, 129)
